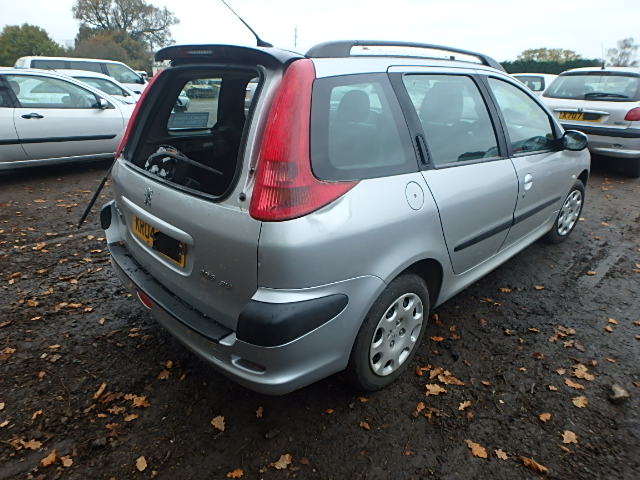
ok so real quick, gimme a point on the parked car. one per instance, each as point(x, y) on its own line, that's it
point(104, 83)
point(317, 233)
point(604, 103)
point(118, 70)
point(48, 118)
point(537, 82)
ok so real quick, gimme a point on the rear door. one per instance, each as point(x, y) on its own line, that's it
point(55, 118)
point(468, 172)
point(543, 177)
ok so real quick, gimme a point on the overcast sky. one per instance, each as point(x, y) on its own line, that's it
point(500, 28)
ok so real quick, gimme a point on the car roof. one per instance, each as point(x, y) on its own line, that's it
point(83, 73)
point(604, 69)
point(534, 74)
point(38, 57)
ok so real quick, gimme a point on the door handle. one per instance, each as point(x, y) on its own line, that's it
point(32, 115)
point(528, 181)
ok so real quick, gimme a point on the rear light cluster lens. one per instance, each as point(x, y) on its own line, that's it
point(633, 115)
point(132, 119)
point(285, 186)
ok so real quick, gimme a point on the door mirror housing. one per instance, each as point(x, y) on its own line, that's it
point(574, 140)
point(102, 104)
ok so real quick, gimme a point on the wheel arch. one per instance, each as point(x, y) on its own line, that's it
point(430, 270)
point(584, 177)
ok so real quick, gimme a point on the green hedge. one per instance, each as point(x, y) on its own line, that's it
point(531, 66)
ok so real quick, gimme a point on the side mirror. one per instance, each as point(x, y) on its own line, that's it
point(574, 140)
point(102, 104)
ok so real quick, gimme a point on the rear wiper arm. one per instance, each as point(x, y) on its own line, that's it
point(604, 94)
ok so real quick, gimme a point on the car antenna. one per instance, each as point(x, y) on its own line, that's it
point(261, 43)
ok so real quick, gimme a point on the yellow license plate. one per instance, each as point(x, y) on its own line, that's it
point(169, 247)
point(579, 116)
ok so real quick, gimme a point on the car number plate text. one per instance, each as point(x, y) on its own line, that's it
point(580, 116)
point(169, 247)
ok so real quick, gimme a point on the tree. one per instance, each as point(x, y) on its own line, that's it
point(114, 46)
point(22, 40)
point(140, 20)
point(625, 55)
point(549, 55)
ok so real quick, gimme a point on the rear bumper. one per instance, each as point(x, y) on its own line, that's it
point(334, 312)
point(613, 142)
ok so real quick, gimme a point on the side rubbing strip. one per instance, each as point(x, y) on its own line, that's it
point(17, 141)
point(503, 226)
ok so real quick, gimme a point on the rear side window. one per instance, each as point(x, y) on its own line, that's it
point(357, 129)
point(535, 83)
point(454, 117)
point(48, 64)
point(87, 66)
point(122, 73)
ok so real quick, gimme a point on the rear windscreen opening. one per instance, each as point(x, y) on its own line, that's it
point(193, 134)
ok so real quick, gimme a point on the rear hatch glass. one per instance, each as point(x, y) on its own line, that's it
point(599, 86)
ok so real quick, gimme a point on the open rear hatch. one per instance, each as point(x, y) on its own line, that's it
point(178, 180)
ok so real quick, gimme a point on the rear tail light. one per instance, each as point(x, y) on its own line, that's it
point(132, 119)
point(285, 186)
point(633, 115)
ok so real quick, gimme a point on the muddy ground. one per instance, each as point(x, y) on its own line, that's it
point(515, 339)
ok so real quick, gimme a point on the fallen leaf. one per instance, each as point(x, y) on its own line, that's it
point(49, 459)
point(32, 445)
point(572, 384)
point(141, 464)
point(448, 379)
point(539, 287)
point(477, 450)
point(283, 462)
point(435, 372)
point(36, 414)
point(435, 389)
point(437, 339)
point(486, 383)
point(130, 417)
point(533, 465)
point(613, 321)
point(67, 461)
point(561, 371)
point(591, 273)
point(502, 455)
point(169, 364)
point(329, 411)
point(580, 402)
point(364, 425)
point(100, 391)
point(2, 405)
point(569, 437)
point(164, 374)
point(237, 473)
point(421, 370)
point(139, 401)
point(464, 405)
point(419, 408)
point(218, 422)
point(581, 371)
point(545, 417)
point(259, 412)
point(363, 399)
point(505, 290)
point(553, 388)
point(609, 328)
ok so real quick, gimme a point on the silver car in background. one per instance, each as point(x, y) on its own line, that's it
point(537, 82)
point(104, 83)
point(604, 103)
point(49, 118)
point(314, 229)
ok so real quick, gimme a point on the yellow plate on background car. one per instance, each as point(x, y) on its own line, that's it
point(169, 247)
point(579, 116)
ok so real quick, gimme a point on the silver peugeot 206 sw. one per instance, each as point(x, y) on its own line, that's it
point(311, 228)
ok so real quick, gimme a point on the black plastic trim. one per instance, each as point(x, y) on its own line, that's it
point(272, 324)
point(484, 235)
point(606, 131)
point(184, 54)
point(533, 210)
point(342, 48)
point(163, 298)
point(56, 139)
point(105, 215)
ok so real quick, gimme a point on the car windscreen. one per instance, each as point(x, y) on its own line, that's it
point(105, 85)
point(601, 86)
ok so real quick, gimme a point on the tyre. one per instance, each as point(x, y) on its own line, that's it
point(632, 167)
point(390, 333)
point(568, 215)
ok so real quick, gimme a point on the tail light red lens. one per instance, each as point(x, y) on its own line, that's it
point(633, 115)
point(285, 186)
point(132, 119)
point(145, 299)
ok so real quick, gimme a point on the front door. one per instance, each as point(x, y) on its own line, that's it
point(55, 118)
point(471, 179)
point(10, 148)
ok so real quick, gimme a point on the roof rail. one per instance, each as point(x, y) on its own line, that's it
point(342, 48)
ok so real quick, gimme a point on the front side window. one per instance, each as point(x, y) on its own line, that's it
point(357, 129)
point(47, 92)
point(122, 73)
point(457, 126)
point(105, 85)
point(528, 125)
point(600, 86)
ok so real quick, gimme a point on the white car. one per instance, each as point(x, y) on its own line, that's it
point(105, 83)
point(118, 70)
point(537, 82)
point(48, 118)
point(604, 103)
